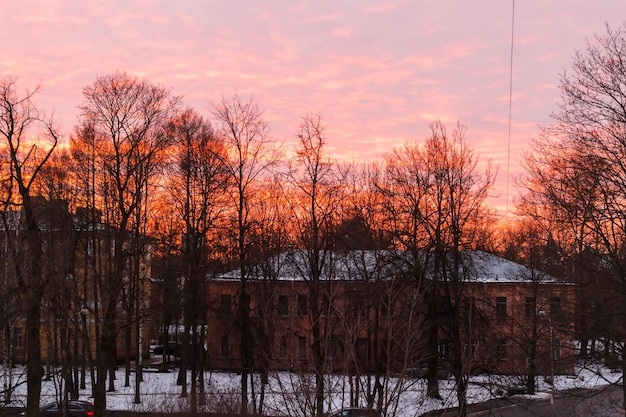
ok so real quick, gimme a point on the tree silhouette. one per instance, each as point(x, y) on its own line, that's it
point(126, 117)
point(28, 140)
point(250, 154)
point(576, 181)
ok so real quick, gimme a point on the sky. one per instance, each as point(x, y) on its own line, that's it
point(379, 72)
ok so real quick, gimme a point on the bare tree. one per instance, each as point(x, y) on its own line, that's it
point(563, 194)
point(435, 198)
point(250, 154)
point(456, 199)
point(126, 116)
point(404, 189)
point(315, 190)
point(580, 181)
point(269, 239)
point(28, 139)
point(394, 315)
point(93, 238)
point(195, 185)
point(10, 300)
point(65, 294)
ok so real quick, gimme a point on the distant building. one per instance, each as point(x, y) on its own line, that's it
point(373, 315)
point(77, 248)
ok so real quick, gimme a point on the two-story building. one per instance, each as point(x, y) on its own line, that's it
point(372, 315)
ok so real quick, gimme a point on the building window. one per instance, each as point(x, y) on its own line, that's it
point(386, 309)
point(302, 305)
point(501, 350)
point(501, 307)
point(282, 347)
point(470, 349)
point(555, 350)
point(360, 305)
point(469, 303)
point(283, 305)
point(225, 352)
point(361, 345)
point(302, 348)
point(225, 304)
point(18, 338)
point(327, 306)
point(531, 305)
point(443, 349)
point(336, 349)
point(555, 306)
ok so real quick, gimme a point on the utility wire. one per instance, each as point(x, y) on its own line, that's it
point(508, 156)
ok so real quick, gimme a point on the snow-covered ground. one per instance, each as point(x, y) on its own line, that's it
point(286, 393)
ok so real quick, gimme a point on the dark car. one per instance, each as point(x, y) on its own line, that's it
point(173, 349)
point(74, 409)
point(356, 412)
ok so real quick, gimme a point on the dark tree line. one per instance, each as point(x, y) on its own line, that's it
point(575, 182)
point(148, 178)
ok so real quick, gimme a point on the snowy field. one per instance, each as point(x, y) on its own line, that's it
point(287, 393)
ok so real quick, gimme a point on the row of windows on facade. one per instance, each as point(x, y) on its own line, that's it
point(283, 304)
point(501, 352)
point(502, 348)
point(501, 305)
point(282, 347)
point(530, 306)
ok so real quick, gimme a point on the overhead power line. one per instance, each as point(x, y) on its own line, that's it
point(508, 155)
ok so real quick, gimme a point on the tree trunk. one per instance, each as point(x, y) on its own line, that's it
point(432, 372)
point(34, 369)
point(461, 393)
point(34, 292)
point(245, 344)
point(107, 356)
point(318, 355)
point(623, 373)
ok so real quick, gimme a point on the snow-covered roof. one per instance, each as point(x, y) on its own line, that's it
point(355, 265)
point(477, 266)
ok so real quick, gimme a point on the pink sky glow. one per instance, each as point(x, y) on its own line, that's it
point(380, 72)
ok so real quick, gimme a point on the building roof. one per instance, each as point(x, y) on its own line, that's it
point(368, 265)
point(480, 266)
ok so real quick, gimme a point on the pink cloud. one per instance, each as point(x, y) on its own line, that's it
point(380, 72)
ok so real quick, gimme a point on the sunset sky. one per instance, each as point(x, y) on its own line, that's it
point(380, 72)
